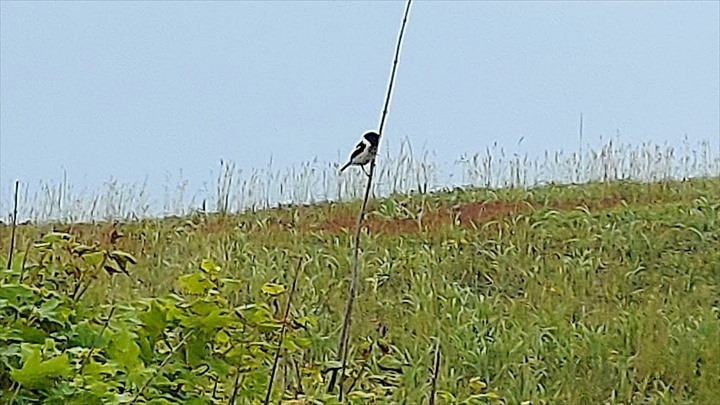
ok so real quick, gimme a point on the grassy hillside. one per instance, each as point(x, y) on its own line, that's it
point(559, 294)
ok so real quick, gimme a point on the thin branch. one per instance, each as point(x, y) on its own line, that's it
point(24, 261)
point(238, 381)
point(394, 69)
point(97, 338)
point(362, 368)
point(436, 372)
point(282, 332)
point(162, 365)
point(14, 225)
point(344, 333)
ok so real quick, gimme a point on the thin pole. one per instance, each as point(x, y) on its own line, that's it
point(344, 334)
point(14, 225)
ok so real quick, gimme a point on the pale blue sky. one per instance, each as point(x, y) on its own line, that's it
point(142, 89)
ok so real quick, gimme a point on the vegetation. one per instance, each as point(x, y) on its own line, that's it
point(603, 292)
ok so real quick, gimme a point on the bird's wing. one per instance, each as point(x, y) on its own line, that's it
point(358, 150)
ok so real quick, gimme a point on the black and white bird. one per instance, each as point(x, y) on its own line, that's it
point(365, 151)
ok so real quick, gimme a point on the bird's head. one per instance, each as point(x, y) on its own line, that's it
point(372, 137)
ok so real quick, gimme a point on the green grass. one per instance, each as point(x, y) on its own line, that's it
point(604, 292)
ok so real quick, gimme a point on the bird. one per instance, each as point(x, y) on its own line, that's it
point(364, 152)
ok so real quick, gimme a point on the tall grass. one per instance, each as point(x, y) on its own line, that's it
point(408, 171)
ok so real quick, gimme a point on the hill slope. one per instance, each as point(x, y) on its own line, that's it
point(572, 294)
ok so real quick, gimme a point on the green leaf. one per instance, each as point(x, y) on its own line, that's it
point(195, 283)
point(124, 350)
point(94, 258)
point(331, 365)
point(267, 327)
point(122, 258)
point(18, 261)
point(300, 341)
point(50, 310)
point(83, 249)
point(195, 351)
point(208, 266)
point(95, 369)
point(210, 322)
point(111, 270)
point(28, 334)
point(36, 373)
point(273, 289)
point(230, 285)
point(84, 335)
point(202, 307)
point(477, 384)
point(16, 293)
point(54, 237)
point(154, 320)
point(361, 395)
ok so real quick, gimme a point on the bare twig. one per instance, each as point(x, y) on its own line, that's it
point(436, 371)
point(99, 336)
point(359, 374)
point(580, 158)
point(344, 335)
point(24, 261)
point(238, 381)
point(14, 225)
point(162, 365)
point(282, 332)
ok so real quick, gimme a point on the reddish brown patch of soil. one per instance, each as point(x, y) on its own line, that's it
point(216, 226)
point(466, 214)
point(335, 224)
point(605, 203)
point(478, 213)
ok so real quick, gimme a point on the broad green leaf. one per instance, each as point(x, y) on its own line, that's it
point(154, 320)
point(273, 289)
point(103, 370)
point(18, 260)
point(147, 350)
point(50, 310)
point(195, 283)
point(203, 307)
point(54, 237)
point(212, 321)
point(36, 373)
point(220, 367)
point(30, 334)
point(100, 388)
point(94, 258)
point(16, 294)
point(124, 350)
point(195, 350)
point(222, 337)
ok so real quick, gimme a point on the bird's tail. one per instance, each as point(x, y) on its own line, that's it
point(345, 167)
